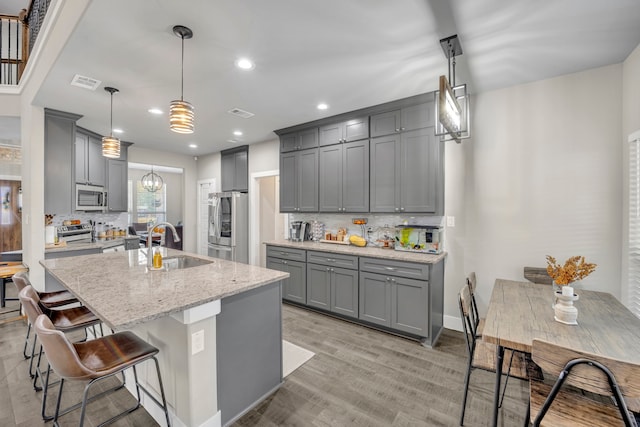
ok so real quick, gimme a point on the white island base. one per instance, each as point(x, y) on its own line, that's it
point(217, 360)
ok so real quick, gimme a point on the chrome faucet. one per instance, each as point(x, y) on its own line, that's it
point(150, 228)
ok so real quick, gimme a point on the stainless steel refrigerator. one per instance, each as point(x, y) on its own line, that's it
point(229, 226)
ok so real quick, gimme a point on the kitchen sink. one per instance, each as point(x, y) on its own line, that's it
point(182, 262)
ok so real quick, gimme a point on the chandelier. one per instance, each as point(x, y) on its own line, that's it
point(180, 111)
point(152, 182)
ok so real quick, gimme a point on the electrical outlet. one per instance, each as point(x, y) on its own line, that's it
point(197, 342)
point(451, 221)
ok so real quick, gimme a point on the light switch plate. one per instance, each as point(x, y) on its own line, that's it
point(451, 221)
point(197, 342)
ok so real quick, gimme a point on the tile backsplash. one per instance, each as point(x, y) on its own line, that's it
point(118, 220)
point(375, 222)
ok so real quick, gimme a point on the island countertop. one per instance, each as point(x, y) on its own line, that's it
point(119, 288)
point(366, 251)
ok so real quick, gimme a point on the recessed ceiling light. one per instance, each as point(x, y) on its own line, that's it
point(116, 130)
point(237, 133)
point(233, 141)
point(155, 111)
point(245, 64)
point(193, 146)
point(322, 106)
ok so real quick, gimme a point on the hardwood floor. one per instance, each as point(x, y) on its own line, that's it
point(358, 377)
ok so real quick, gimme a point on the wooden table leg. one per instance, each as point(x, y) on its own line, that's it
point(496, 394)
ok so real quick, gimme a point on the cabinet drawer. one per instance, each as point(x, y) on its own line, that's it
point(333, 260)
point(286, 253)
point(410, 270)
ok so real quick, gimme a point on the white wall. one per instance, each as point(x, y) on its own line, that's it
point(540, 176)
point(189, 191)
point(209, 167)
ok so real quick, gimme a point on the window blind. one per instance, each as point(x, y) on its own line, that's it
point(634, 224)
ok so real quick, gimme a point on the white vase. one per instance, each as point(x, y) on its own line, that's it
point(564, 310)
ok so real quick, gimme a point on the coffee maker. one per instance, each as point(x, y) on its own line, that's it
point(299, 231)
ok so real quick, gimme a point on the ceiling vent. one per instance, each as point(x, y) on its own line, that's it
point(240, 113)
point(85, 82)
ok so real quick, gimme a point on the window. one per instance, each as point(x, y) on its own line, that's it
point(634, 224)
point(148, 207)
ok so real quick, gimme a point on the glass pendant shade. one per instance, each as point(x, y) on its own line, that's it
point(181, 116)
point(152, 182)
point(111, 147)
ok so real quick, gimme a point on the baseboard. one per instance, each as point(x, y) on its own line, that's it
point(452, 322)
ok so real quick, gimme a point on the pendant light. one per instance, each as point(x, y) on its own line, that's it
point(180, 111)
point(111, 144)
point(152, 182)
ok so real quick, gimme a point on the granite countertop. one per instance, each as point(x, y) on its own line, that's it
point(367, 251)
point(83, 245)
point(122, 292)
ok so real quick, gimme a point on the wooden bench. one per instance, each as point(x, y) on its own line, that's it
point(7, 270)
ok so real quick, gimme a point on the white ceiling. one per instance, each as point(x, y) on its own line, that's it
point(349, 54)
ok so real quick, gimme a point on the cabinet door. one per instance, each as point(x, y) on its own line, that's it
point(384, 174)
point(117, 186)
point(385, 123)
point(80, 156)
point(418, 116)
point(288, 182)
point(375, 299)
point(59, 191)
point(331, 134)
point(419, 168)
point(289, 142)
point(96, 162)
point(308, 139)
point(344, 291)
point(241, 175)
point(308, 180)
point(227, 171)
point(410, 306)
point(330, 178)
point(356, 129)
point(355, 176)
point(318, 286)
point(295, 287)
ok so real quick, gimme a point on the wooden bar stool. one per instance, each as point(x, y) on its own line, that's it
point(48, 299)
point(95, 360)
point(7, 270)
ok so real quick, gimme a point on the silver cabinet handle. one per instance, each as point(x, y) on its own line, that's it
point(402, 209)
point(328, 269)
point(402, 129)
point(388, 278)
point(332, 270)
point(283, 253)
point(390, 268)
point(393, 280)
point(396, 209)
point(284, 262)
point(397, 129)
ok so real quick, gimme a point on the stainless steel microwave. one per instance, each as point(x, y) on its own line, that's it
point(90, 198)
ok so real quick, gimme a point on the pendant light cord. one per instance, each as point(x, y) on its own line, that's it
point(182, 72)
point(111, 117)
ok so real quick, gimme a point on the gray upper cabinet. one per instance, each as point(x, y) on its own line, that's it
point(59, 137)
point(299, 181)
point(117, 172)
point(406, 173)
point(405, 119)
point(89, 161)
point(302, 140)
point(350, 130)
point(235, 169)
point(344, 177)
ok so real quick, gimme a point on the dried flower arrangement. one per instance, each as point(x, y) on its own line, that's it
point(575, 268)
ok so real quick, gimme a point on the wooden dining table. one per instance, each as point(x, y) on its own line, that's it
point(521, 311)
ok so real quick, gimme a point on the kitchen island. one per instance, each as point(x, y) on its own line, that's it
point(217, 323)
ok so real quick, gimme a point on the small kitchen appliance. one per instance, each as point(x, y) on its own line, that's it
point(419, 238)
point(90, 198)
point(299, 231)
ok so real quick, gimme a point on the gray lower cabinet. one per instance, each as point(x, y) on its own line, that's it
point(299, 181)
point(344, 177)
point(375, 299)
point(406, 173)
point(59, 183)
point(330, 287)
point(293, 262)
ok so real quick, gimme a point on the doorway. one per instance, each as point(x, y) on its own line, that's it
point(266, 223)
